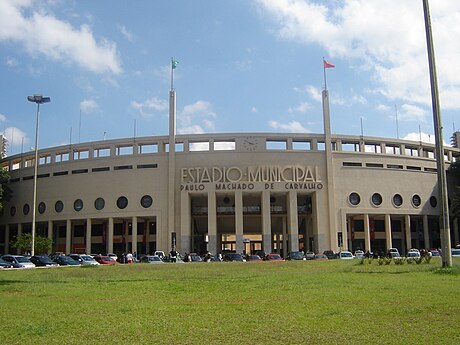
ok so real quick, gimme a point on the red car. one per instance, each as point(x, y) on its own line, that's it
point(105, 260)
point(273, 257)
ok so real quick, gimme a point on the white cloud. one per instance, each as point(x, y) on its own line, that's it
point(15, 137)
point(409, 112)
point(11, 62)
point(385, 38)
point(126, 34)
point(301, 108)
point(383, 108)
point(293, 126)
point(195, 117)
point(254, 110)
point(424, 137)
point(42, 33)
point(153, 104)
point(2, 118)
point(88, 105)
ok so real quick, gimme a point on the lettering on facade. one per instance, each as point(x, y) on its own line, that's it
point(290, 177)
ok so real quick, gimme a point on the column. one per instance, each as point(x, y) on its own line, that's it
point(426, 232)
point(212, 222)
point(284, 242)
point(185, 223)
point(293, 219)
point(266, 222)
point(344, 229)
point(68, 236)
point(7, 238)
point(50, 234)
point(367, 234)
point(239, 221)
point(134, 235)
point(455, 229)
point(349, 227)
point(407, 232)
point(110, 236)
point(388, 238)
point(88, 236)
point(19, 229)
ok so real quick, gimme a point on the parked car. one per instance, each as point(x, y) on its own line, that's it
point(345, 255)
point(18, 261)
point(261, 253)
point(253, 258)
point(43, 261)
point(413, 254)
point(320, 257)
point(5, 264)
point(151, 259)
point(113, 256)
point(330, 254)
point(105, 260)
point(273, 257)
point(84, 259)
point(234, 257)
point(296, 256)
point(394, 255)
point(309, 255)
point(64, 260)
point(195, 258)
point(359, 254)
point(435, 253)
point(159, 253)
point(455, 253)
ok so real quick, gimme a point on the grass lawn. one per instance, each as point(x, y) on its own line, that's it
point(335, 302)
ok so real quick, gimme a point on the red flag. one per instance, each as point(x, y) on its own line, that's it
point(327, 64)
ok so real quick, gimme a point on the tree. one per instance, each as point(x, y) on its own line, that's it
point(23, 242)
point(5, 191)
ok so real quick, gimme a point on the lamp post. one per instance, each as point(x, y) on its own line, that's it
point(39, 99)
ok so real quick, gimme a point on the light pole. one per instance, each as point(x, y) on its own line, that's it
point(39, 99)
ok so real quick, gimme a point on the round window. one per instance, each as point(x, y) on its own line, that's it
point(146, 201)
point(99, 203)
point(26, 209)
point(416, 201)
point(433, 201)
point(78, 205)
point(59, 206)
point(41, 207)
point(122, 202)
point(12, 211)
point(376, 199)
point(354, 199)
point(397, 200)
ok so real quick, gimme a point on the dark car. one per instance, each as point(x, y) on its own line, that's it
point(273, 257)
point(43, 261)
point(253, 258)
point(295, 256)
point(5, 264)
point(234, 257)
point(330, 254)
point(63, 260)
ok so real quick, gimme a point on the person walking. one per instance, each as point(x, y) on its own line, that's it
point(173, 255)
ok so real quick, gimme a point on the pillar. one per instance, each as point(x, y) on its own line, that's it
point(266, 222)
point(185, 223)
point(388, 237)
point(50, 234)
point(293, 219)
point(212, 222)
point(455, 229)
point(367, 234)
point(19, 229)
point(7, 238)
point(426, 232)
point(110, 236)
point(88, 236)
point(68, 236)
point(407, 232)
point(239, 221)
point(284, 241)
point(134, 235)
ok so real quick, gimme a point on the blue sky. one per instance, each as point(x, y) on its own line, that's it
point(244, 66)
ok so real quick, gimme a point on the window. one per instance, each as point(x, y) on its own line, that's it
point(354, 199)
point(12, 211)
point(41, 207)
point(416, 200)
point(59, 206)
point(78, 205)
point(122, 202)
point(397, 200)
point(376, 199)
point(99, 204)
point(26, 209)
point(433, 201)
point(146, 201)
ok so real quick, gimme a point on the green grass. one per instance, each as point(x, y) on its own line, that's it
point(336, 302)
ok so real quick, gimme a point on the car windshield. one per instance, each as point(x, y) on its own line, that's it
point(346, 254)
point(44, 259)
point(22, 259)
point(86, 257)
point(276, 256)
point(455, 251)
point(154, 258)
point(296, 255)
point(3, 261)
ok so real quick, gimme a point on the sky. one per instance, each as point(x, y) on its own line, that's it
point(243, 66)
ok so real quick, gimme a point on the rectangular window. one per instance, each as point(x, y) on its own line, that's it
point(60, 173)
point(124, 150)
point(147, 166)
point(80, 171)
point(352, 164)
point(374, 165)
point(100, 169)
point(224, 145)
point(301, 145)
point(276, 144)
point(394, 166)
point(101, 152)
point(199, 146)
point(122, 167)
point(148, 148)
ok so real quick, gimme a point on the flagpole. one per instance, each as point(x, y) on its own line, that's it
point(324, 70)
point(172, 74)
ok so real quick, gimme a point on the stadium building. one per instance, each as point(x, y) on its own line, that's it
point(276, 192)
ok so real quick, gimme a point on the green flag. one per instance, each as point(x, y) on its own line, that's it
point(174, 64)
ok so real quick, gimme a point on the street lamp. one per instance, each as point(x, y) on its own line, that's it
point(39, 99)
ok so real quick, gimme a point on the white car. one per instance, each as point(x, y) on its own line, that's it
point(84, 259)
point(455, 253)
point(359, 254)
point(345, 255)
point(413, 254)
point(19, 261)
